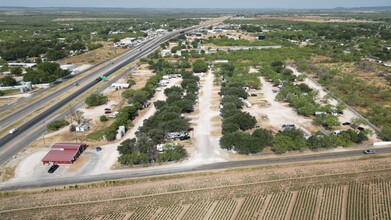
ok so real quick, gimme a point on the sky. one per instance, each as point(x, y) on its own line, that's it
point(294, 4)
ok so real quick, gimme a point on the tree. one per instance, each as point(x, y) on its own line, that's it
point(240, 141)
point(243, 119)
point(356, 122)
point(289, 139)
point(200, 66)
point(327, 121)
point(263, 138)
point(229, 127)
point(172, 153)
point(7, 81)
point(96, 99)
point(55, 54)
point(319, 141)
point(17, 71)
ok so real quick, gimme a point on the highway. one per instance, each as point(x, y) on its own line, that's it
point(125, 174)
point(11, 144)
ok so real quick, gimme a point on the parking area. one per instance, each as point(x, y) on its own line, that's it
point(272, 115)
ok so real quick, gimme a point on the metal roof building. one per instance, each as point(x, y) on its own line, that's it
point(64, 153)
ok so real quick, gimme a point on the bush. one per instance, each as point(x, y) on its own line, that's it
point(96, 100)
point(55, 125)
point(103, 118)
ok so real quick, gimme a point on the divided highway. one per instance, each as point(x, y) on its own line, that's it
point(26, 131)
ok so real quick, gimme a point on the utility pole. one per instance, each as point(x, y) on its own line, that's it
point(70, 109)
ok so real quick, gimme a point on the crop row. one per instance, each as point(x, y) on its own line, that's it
point(278, 206)
point(197, 210)
point(224, 209)
point(331, 203)
point(144, 213)
point(381, 202)
point(358, 201)
point(171, 212)
point(304, 207)
point(251, 207)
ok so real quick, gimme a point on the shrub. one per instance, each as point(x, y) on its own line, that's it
point(103, 118)
point(55, 125)
point(96, 100)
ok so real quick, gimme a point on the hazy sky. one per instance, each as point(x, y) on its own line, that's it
point(197, 3)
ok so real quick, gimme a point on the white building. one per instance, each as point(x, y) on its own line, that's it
point(125, 42)
point(24, 65)
point(120, 85)
point(82, 127)
point(69, 67)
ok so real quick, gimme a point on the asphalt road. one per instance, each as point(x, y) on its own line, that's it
point(126, 174)
point(11, 144)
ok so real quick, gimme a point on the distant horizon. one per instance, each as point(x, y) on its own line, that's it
point(271, 8)
point(200, 4)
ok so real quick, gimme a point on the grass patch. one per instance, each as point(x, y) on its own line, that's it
point(9, 91)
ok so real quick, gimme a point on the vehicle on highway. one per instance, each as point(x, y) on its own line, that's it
point(76, 84)
point(53, 168)
point(369, 152)
point(13, 130)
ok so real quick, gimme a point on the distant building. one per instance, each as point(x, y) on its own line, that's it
point(82, 127)
point(125, 42)
point(69, 67)
point(220, 61)
point(24, 65)
point(120, 85)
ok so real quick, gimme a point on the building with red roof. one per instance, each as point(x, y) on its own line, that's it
point(64, 153)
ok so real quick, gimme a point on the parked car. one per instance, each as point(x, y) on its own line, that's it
point(253, 94)
point(107, 110)
point(369, 152)
point(361, 128)
point(13, 130)
point(53, 168)
point(346, 123)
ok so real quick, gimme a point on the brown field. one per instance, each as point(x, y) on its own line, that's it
point(313, 18)
point(353, 189)
point(94, 56)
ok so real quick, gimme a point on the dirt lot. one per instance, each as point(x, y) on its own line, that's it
point(277, 192)
point(272, 115)
point(206, 133)
point(94, 56)
point(311, 18)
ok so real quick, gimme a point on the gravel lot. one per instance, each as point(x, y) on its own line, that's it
point(207, 145)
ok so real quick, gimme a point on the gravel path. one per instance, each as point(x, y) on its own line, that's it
point(207, 147)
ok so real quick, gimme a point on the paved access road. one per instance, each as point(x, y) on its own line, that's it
point(125, 174)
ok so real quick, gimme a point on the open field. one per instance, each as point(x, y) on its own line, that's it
point(94, 56)
point(355, 189)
